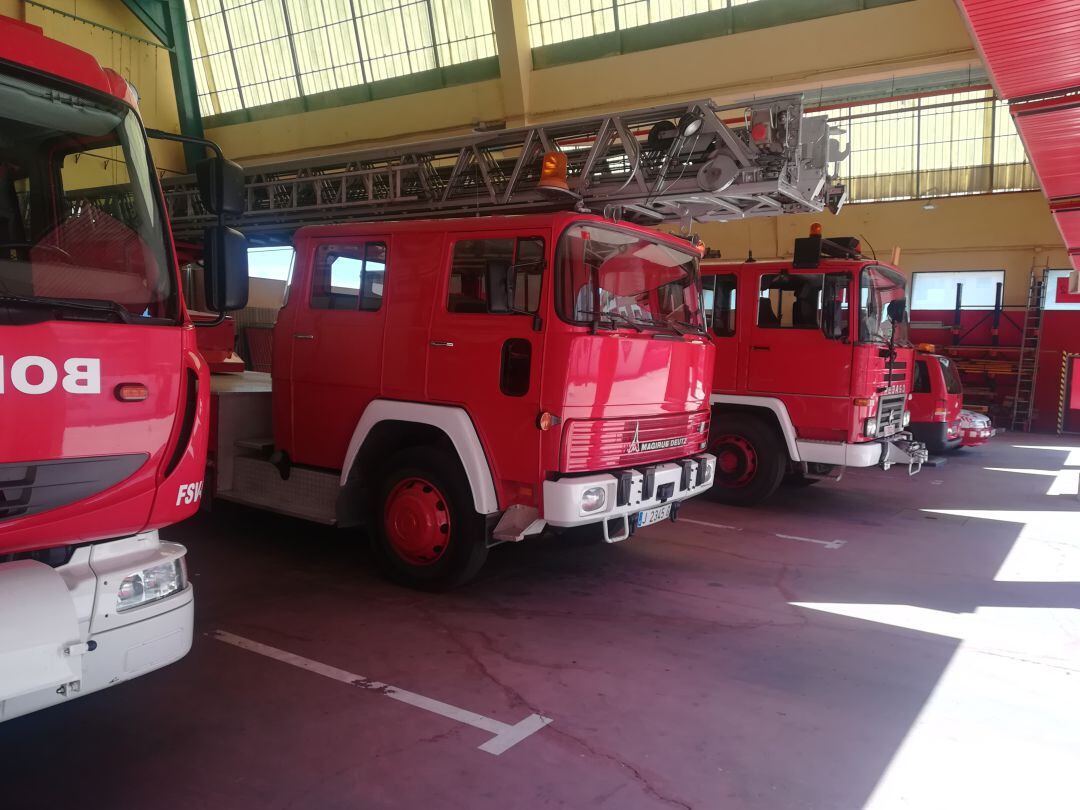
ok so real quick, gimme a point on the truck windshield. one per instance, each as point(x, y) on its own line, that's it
point(615, 278)
point(878, 287)
point(81, 227)
point(952, 378)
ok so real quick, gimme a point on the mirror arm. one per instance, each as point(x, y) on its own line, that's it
point(172, 136)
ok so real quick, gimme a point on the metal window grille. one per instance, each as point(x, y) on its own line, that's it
point(552, 21)
point(252, 52)
point(940, 145)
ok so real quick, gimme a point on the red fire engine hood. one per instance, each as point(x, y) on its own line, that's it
point(619, 374)
point(76, 462)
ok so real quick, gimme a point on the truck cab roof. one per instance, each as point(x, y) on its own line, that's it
point(25, 46)
point(558, 221)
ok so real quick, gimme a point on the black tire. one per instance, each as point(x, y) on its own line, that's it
point(746, 483)
point(465, 550)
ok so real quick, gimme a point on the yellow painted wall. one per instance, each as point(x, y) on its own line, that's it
point(145, 66)
point(1009, 232)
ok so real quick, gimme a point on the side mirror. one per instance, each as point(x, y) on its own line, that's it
point(896, 310)
point(500, 285)
point(834, 319)
point(221, 185)
point(225, 268)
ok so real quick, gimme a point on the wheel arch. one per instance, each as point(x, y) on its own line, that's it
point(770, 409)
point(388, 426)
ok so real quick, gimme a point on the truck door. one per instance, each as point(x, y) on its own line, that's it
point(488, 360)
point(337, 337)
point(721, 290)
point(789, 352)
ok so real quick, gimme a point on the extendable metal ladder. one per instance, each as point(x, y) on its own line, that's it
point(1028, 367)
point(688, 161)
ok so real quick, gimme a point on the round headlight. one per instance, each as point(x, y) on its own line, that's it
point(592, 500)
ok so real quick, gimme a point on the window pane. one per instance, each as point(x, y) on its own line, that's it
point(468, 272)
point(937, 291)
point(252, 52)
point(790, 301)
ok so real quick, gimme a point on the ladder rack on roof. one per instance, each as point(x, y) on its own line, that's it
point(681, 162)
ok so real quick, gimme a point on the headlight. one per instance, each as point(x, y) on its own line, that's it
point(870, 427)
point(151, 584)
point(907, 418)
point(593, 500)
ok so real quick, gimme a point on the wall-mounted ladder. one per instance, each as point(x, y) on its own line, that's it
point(1028, 367)
point(686, 161)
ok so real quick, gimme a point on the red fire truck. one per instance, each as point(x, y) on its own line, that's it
point(103, 396)
point(452, 384)
point(456, 383)
point(813, 368)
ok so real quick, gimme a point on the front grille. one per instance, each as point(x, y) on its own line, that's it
point(604, 444)
point(891, 414)
point(31, 487)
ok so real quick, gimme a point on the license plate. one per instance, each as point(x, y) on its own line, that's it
point(651, 516)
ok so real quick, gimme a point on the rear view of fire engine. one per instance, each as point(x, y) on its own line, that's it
point(452, 383)
point(813, 369)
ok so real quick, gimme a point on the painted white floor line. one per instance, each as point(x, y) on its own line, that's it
point(506, 735)
point(832, 545)
point(711, 525)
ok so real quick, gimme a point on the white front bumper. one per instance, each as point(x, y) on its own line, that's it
point(74, 641)
point(627, 492)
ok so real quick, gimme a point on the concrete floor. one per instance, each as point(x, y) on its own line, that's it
point(884, 642)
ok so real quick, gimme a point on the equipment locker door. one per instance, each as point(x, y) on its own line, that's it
point(337, 346)
point(487, 360)
point(788, 351)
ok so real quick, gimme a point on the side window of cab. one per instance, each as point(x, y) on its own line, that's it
point(720, 292)
point(349, 277)
point(475, 259)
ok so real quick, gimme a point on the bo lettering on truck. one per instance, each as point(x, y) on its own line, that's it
point(38, 375)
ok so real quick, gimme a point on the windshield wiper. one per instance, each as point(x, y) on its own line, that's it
point(616, 317)
point(70, 305)
point(684, 328)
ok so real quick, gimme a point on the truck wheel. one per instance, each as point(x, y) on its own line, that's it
point(426, 533)
point(750, 461)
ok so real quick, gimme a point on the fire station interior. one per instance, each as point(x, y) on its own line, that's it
point(849, 577)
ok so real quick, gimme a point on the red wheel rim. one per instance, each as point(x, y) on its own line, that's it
point(417, 521)
point(736, 461)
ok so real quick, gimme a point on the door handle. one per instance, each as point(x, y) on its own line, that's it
point(761, 348)
point(303, 337)
point(446, 344)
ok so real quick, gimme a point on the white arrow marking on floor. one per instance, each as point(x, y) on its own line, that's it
point(832, 545)
point(506, 735)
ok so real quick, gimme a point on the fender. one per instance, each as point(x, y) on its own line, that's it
point(454, 422)
point(768, 403)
